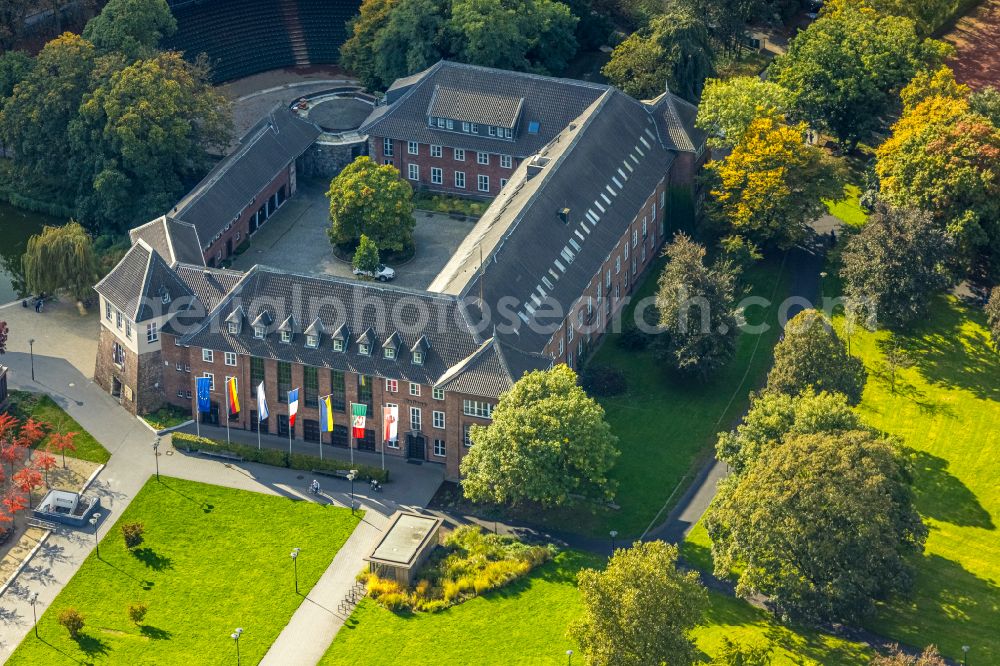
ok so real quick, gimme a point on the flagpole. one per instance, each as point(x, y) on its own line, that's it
point(227, 413)
point(197, 411)
point(350, 442)
point(258, 427)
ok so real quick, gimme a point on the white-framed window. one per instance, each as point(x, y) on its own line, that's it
point(618, 291)
point(482, 158)
point(412, 147)
point(436, 151)
point(506, 161)
point(607, 279)
point(259, 332)
point(211, 380)
point(634, 266)
point(415, 389)
point(413, 171)
point(483, 410)
point(475, 128)
point(338, 345)
point(286, 336)
point(439, 448)
point(152, 334)
point(569, 359)
point(562, 346)
point(387, 148)
point(618, 264)
point(569, 332)
point(508, 133)
point(128, 329)
point(449, 123)
point(466, 438)
point(466, 127)
point(230, 358)
point(391, 385)
point(389, 352)
point(118, 319)
point(207, 355)
point(415, 420)
point(418, 358)
point(503, 183)
point(492, 130)
point(460, 179)
point(644, 226)
point(312, 341)
point(626, 251)
point(653, 214)
point(438, 393)
point(118, 355)
point(483, 182)
point(460, 154)
point(364, 348)
point(108, 310)
point(233, 328)
point(437, 121)
point(626, 280)
point(635, 237)
point(388, 162)
point(437, 175)
point(438, 420)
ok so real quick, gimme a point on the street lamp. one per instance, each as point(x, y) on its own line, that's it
point(93, 521)
point(350, 477)
point(236, 637)
point(614, 533)
point(31, 351)
point(34, 613)
point(965, 655)
point(569, 658)
point(295, 566)
point(156, 456)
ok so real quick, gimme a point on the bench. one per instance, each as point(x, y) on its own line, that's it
point(339, 473)
point(225, 455)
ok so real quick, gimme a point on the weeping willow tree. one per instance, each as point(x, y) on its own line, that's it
point(61, 258)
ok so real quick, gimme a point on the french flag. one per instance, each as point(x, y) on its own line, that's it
point(293, 407)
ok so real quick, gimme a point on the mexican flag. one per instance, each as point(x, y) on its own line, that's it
point(358, 413)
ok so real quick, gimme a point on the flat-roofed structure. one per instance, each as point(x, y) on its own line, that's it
point(404, 547)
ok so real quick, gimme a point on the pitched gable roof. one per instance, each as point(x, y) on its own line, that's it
point(175, 241)
point(491, 370)
point(142, 285)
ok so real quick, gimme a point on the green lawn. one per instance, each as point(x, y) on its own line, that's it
point(946, 411)
point(42, 408)
point(214, 559)
point(848, 208)
point(666, 425)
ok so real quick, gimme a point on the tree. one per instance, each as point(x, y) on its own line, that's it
point(548, 443)
point(772, 183)
point(45, 461)
point(811, 354)
point(11, 453)
point(993, 315)
point(823, 525)
point(675, 49)
point(31, 433)
point(4, 331)
point(895, 265)
point(132, 533)
point(62, 442)
point(942, 158)
point(14, 68)
point(929, 83)
point(35, 118)
point(986, 102)
point(366, 256)
point(358, 52)
point(131, 27)
point(61, 258)
point(410, 39)
point(142, 136)
point(27, 479)
point(371, 199)
point(773, 417)
point(696, 345)
point(640, 609)
point(896, 358)
point(732, 653)
point(137, 612)
point(13, 501)
point(73, 621)
point(896, 657)
point(845, 70)
point(728, 106)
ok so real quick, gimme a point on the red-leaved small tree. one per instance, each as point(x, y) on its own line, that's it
point(13, 501)
point(10, 453)
point(62, 442)
point(8, 426)
point(45, 461)
point(27, 479)
point(32, 432)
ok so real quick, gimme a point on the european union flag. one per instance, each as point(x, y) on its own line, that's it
point(204, 386)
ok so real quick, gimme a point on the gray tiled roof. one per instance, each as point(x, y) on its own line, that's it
point(491, 370)
point(552, 102)
point(209, 285)
point(675, 123)
point(603, 169)
point(475, 107)
point(270, 146)
point(336, 302)
point(175, 241)
point(137, 284)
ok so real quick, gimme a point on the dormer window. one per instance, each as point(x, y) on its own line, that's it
point(259, 332)
point(286, 336)
point(364, 349)
point(165, 297)
point(338, 345)
point(234, 328)
point(418, 358)
point(312, 341)
point(389, 352)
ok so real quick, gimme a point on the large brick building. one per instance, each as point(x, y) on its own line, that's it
point(537, 281)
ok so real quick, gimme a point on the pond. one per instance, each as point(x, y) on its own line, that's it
point(16, 226)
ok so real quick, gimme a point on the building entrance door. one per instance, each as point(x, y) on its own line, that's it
point(415, 446)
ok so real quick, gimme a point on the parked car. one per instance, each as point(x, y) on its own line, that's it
point(383, 274)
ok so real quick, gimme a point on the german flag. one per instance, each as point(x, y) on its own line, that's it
point(234, 398)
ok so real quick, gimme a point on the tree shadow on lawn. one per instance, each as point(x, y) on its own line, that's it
point(152, 559)
point(91, 645)
point(952, 357)
point(942, 496)
point(155, 633)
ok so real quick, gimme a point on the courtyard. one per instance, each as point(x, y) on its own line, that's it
point(295, 239)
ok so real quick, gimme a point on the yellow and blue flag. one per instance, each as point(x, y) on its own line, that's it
point(326, 414)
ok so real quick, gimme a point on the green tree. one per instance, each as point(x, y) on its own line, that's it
point(133, 28)
point(409, 40)
point(697, 312)
point(371, 199)
point(142, 136)
point(774, 416)
point(823, 525)
point(811, 354)
point(14, 68)
point(675, 49)
point(61, 258)
point(894, 266)
point(358, 53)
point(640, 609)
point(35, 118)
point(72, 620)
point(366, 256)
point(548, 443)
point(993, 315)
point(137, 612)
point(929, 83)
point(845, 70)
point(986, 102)
point(772, 184)
point(727, 107)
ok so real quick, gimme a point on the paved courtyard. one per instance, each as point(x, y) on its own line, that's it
point(295, 239)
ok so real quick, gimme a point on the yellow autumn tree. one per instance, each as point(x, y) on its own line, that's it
point(772, 184)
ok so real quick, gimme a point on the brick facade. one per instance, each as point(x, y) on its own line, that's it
point(401, 158)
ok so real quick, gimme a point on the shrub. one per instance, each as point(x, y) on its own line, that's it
point(137, 612)
point(133, 534)
point(72, 620)
point(632, 339)
point(395, 601)
point(603, 380)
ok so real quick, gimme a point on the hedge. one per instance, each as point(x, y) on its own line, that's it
point(275, 457)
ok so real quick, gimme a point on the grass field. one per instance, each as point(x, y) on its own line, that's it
point(214, 559)
point(42, 408)
point(848, 209)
